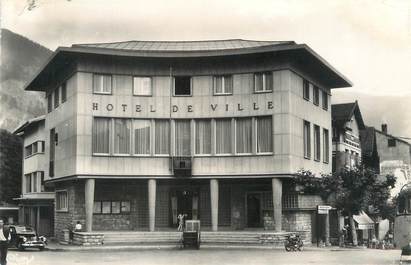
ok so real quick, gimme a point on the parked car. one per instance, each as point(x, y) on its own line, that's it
point(23, 237)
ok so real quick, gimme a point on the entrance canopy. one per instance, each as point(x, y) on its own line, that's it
point(364, 221)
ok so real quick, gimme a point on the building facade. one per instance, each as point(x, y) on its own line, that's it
point(36, 203)
point(387, 154)
point(347, 123)
point(139, 132)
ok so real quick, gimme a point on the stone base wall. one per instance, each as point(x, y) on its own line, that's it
point(76, 212)
point(88, 239)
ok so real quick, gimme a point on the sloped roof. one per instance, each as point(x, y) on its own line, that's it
point(209, 45)
point(28, 123)
point(300, 54)
point(341, 113)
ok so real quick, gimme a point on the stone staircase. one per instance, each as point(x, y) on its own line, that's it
point(224, 238)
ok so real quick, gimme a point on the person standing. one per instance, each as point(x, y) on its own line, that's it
point(5, 237)
point(180, 218)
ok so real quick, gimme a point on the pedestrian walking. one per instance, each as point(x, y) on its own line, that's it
point(5, 237)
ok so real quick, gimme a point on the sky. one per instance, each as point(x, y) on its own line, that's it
point(369, 41)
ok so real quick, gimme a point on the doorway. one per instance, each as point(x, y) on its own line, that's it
point(185, 203)
point(254, 210)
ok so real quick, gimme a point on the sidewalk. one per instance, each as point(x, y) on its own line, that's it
point(53, 246)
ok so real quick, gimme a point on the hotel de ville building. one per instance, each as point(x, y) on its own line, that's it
point(138, 132)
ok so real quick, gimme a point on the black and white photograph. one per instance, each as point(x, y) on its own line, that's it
point(173, 132)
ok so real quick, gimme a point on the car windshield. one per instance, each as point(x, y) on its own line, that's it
point(23, 229)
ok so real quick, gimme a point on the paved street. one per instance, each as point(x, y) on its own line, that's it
point(207, 257)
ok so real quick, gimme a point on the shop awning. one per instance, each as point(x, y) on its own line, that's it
point(364, 221)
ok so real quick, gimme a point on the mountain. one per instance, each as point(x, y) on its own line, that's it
point(21, 58)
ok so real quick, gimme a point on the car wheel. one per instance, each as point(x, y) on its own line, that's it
point(20, 246)
point(41, 248)
point(287, 248)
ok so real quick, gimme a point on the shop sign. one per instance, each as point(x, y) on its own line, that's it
point(323, 209)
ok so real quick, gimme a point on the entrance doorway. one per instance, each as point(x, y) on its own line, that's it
point(254, 210)
point(185, 203)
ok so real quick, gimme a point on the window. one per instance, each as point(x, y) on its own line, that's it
point(61, 201)
point(223, 85)
point(28, 150)
point(101, 135)
point(244, 136)
point(28, 182)
point(326, 146)
point(63, 92)
point(41, 146)
point(223, 136)
point(325, 100)
point(316, 95)
point(142, 130)
point(42, 186)
point(264, 134)
point(111, 207)
point(122, 131)
point(263, 82)
point(97, 207)
point(56, 97)
point(102, 84)
point(115, 207)
point(306, 89)
point(317, 144)
point(34, 148)
point(34, 182)
point(142, 86)
point(162, 137)
point(125, 206)
point(182, 86)
point(182, 134)
point(106, 207)
point(307, 140)
point(391, 142)
point(49, 103)
point(203, 136)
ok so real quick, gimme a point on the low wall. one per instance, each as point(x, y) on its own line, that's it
point(88, 238)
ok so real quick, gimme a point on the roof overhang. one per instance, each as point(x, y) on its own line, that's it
point(27, 124)
point(65, 55)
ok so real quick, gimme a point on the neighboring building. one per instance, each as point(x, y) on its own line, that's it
point(138, 132)
point(36, 207)
point(346, 123)
point(387, 154)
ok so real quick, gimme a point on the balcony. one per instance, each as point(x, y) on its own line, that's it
point(182, 166)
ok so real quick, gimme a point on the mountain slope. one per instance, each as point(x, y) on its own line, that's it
point(21, 58)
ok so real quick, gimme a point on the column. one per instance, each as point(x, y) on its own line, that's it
point(89, 203)
point(214, 204)
point(152, 204)
point(277, 186)
point(327, 229)
point(38, 219)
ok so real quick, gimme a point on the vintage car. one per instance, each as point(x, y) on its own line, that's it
point(23, 237)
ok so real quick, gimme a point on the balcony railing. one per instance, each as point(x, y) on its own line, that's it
point(182, 166)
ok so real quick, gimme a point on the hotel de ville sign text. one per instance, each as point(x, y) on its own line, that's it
point(187, 108)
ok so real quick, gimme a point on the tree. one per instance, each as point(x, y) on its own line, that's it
point(10, 166)
point(351, 191)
